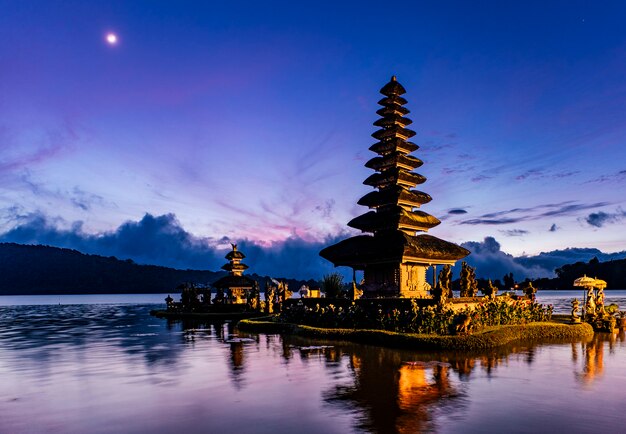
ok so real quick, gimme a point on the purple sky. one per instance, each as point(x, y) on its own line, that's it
point(253, 121)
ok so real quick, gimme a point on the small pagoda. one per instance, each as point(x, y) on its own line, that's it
point(393, 258)
point(235, 286)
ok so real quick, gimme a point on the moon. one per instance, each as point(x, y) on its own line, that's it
point(111, 38)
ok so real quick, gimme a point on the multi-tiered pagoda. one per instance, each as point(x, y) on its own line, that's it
point(394, 259)
point(235, 285)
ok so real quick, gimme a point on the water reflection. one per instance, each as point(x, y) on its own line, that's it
point(594, 353)
point(225, 333)
point(396, 391)
point(43, 332)
point(108, 368)
point(395, 394)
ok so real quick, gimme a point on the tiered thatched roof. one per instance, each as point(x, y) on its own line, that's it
point(235, 279)
point(397, 246)
point(394, 219)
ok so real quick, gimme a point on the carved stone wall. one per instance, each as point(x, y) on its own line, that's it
point(399, 280)
point(413, 281)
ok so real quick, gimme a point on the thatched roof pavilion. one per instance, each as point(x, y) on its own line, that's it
point(235, 284)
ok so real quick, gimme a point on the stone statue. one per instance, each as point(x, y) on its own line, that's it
point(590, 307)
point(445, 279)
point(354, 293)
point(491, 290)
point(474, 282)
point(254, 297)
point(440, 294)
point(169, 301)
point(270, 294)
point(600, 301)
point(219, 296)
point(575, 306)
point(465, 279)
point(530, 290)
point(463, 323)
point(283, 294)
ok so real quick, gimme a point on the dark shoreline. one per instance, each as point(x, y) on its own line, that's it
point(205, 316)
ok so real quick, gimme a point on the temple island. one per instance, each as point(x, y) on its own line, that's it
point(395, 304)
point(236, 296)
point(402, 300)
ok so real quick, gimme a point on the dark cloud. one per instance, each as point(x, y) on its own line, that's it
point(76, 197)
point(598, 219)
point(480, 178)
point(517, 215)
point(569, 209)
point(601, 218)
point(565, 174)
point(456, 170)
point(457, 211)
point(502, 221)
point(615, 177)
point(514, 232)
point(542, 173)
point(439, 147)
point(493, 263)
point(160, 240)
point(532, 173)
point(155, 240)
point(85, 201)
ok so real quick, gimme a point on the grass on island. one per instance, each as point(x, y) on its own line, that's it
point(490, 337)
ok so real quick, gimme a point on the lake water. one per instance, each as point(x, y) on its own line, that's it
point(101, 364)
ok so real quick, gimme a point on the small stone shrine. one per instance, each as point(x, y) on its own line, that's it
point(234, 288)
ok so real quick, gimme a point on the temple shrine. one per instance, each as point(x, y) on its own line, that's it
point(393, 258)
point(235, 285)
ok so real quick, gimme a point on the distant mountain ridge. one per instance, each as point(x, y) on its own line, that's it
point(492, 262)
point(613, 272)
point(557, 258)
point(37, 269)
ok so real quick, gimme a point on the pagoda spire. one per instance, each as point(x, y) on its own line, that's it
point(395, 199)
point(235, 285)
point(393, 257)
point(234, 266)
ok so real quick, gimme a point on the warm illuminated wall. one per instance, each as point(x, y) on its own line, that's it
point(413, 280)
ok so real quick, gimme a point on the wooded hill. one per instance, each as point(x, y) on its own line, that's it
point(26, 269)
point(613, 272)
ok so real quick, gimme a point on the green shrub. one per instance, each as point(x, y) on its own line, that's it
point(332, 285)
point(414, 319)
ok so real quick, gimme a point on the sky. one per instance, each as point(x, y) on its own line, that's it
point(211, 122)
